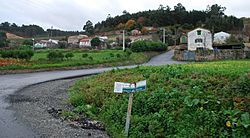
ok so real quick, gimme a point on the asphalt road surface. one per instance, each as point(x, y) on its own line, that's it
point(10, 127)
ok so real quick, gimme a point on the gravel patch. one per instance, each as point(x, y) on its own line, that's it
point(33, 105)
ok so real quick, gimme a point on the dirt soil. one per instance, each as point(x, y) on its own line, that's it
point(38, 107)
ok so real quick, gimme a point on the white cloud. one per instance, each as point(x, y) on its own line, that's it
point(72, 14)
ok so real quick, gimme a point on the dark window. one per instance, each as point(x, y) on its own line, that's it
point(198, 32)
point(198, 40)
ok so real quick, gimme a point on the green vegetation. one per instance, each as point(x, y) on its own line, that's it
point(178, 17)
point(140, 46)
point(95, 42)
point(3, 39)
point(55, 56)
point(84, 55)
point(69, 55)
point(20, 54)
point(193, 100)
point(46, 59)
point(34, 30)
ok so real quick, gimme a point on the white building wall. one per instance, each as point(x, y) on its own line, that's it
point(221, 37)
point(85, 44)
point(205, 37)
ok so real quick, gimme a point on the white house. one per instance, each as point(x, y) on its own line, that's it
point(199, 38)
point(46, 43)
point(75, 39)
point(221, 37)
point(103, 38)
point(85, 42)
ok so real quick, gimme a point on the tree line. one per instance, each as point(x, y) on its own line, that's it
point(33, 30)
point(212, 18)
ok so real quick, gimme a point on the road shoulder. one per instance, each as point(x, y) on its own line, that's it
point(32, 103)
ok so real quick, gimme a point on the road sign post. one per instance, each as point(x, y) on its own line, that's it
point(130, 101)
point(130, 88)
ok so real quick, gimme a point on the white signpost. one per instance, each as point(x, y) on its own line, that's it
point(121, 87)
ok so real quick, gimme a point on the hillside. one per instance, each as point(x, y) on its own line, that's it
point(192, 100)
point(212, 18)
point(13, 36)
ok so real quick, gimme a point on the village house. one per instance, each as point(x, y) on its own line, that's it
point(221, 37)
point(47, 43)
point(151, 30)
point(135, 32)
point(85, 42)
point(76, 39)
point(183, 41)
point(199, 38)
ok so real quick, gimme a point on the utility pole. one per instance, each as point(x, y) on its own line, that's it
point(164, 35)
point(51, 32)
point(50, 39)
point(123, 40)
point(33, 41)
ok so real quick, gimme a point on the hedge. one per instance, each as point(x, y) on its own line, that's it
point(21, 54)
point(141, 46)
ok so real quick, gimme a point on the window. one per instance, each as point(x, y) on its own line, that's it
point(198, 32)
point(198, 40)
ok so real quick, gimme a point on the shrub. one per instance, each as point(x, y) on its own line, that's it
point(118, 55)
point(3, 39)
point(141, 46)
point(69, 55)
point(95, 41)
point(23, 47)
point(111, 54)
point(128, 52)
point(55, 55)
point(21, 54)
point(85, 55)
point(90, 58)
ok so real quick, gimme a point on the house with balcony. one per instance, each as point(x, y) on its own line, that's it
point(199, 38)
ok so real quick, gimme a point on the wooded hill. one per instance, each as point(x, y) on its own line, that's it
point(33, 30)
point(212, 18)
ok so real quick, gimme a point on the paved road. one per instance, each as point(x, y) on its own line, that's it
point(163, 59)
point(10, 127)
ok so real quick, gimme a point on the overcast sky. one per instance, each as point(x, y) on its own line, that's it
point(73, 14)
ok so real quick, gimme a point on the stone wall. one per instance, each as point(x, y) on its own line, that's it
point(210, 55)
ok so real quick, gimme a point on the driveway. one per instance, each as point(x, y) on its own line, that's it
point(10, 127)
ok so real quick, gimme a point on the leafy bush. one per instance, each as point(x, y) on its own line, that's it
point(95, 41)
point(128, 52)
point(111, 54)
point(23, 47)
point(55, 56)
point(21, 54)
point(194, 100)
point(85, 55)
point(69, 55)
point(90, 58)
point(118, 55)
point(3, 39)
point(140, 46)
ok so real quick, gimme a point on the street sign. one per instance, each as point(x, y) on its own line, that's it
point(121, 87)
point(130, 88)
point(141, 85)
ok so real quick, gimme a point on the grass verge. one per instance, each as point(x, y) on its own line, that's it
point(193, 100)
point(99, 58)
